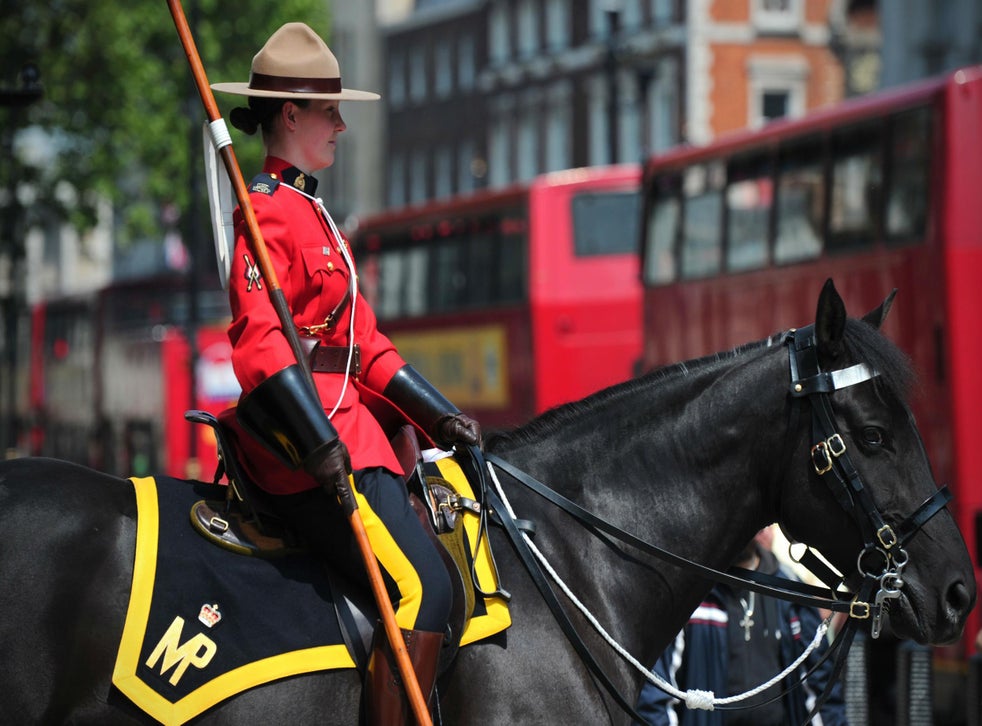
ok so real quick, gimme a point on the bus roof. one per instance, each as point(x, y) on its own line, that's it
point(846, 112)
point(490, 198)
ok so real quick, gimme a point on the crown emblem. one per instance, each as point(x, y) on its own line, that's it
point(209, 615)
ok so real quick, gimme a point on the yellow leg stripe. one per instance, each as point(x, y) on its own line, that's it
point(395, 563)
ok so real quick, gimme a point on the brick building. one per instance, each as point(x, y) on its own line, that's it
point(483, 93)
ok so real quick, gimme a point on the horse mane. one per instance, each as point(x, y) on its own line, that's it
point(556, 418)
point(863, 342)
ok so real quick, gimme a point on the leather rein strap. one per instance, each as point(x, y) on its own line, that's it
point(807, 380)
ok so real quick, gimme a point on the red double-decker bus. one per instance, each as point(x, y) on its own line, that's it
point(516, 300)
point(878, 193)
point(111, 373)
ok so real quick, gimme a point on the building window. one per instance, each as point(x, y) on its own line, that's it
point(443, 84)
point(443, 172)
point(558, 128)
point(777, 16)
point(629, 117)
point(777, 86)
point(528, 28)
point(397, 78)
point(599, 135)
point(527, 142)
point(663, 12)
point(499, 46)
point(466, 163)
point(663, 105)
point(557, 24)
point(774, 104)
point(417, 74)
point(465, 63)
point(499, 142)
point(599, 20)
point(417, 172)
point(630, 11)
point(397, 180)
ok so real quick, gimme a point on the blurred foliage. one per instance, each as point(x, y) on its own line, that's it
point(120, 110)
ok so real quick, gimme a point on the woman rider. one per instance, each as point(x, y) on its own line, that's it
point(294, 95)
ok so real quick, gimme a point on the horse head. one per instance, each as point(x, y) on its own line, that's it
point(868, 467)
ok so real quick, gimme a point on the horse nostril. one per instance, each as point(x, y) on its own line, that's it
point(960, 600)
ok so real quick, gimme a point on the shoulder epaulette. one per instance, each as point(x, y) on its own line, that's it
point(264, 184)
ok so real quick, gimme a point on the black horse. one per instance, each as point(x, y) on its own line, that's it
point(694, 458)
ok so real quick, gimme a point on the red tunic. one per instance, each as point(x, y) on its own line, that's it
point(314, 279)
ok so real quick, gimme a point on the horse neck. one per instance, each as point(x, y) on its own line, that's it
point(687, 452)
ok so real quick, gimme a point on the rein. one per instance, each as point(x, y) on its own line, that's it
point(828, 455)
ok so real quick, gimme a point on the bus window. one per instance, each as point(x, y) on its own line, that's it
point(748, 202)
point(391, 266)
point(597, 214)
point(511, 261)
point(481, 262)
point(800, 204)
point(908, 193)
point(448, 282)
point(701, 239)
point(663, 231)
point(856, 188)
point(414, 282)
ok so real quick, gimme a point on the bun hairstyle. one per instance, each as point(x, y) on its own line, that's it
point(260, 113)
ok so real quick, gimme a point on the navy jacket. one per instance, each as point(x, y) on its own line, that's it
point(699, 656)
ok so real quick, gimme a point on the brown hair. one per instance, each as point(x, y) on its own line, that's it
point(260, 113)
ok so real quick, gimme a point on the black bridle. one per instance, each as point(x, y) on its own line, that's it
point(828, 455)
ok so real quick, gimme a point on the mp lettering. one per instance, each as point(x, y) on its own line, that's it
point(197, 652)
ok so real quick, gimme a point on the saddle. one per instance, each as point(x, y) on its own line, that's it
point(246, 523)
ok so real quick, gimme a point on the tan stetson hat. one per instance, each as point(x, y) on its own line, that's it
point(295, 63)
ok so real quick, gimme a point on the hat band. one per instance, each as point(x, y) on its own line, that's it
point(288, 84)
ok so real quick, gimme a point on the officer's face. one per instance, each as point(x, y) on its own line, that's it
point(317, 128)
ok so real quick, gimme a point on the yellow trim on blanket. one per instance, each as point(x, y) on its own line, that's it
point(498, 618)
point(221, 687)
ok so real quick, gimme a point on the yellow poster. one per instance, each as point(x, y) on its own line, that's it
point(467, 365)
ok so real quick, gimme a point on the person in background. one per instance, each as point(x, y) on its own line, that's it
point(735, 641)
point(300, 444)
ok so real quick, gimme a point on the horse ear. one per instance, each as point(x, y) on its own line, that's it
point(877, 316)
point(830, 322)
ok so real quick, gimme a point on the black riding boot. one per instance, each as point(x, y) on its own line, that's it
point(386, 703)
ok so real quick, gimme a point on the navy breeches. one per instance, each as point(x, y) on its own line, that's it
point(415, 576)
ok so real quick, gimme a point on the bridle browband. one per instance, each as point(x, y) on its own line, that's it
point(829, 455)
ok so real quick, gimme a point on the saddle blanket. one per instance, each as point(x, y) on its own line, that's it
point(204, 623)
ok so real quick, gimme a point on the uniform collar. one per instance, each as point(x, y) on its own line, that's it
point(291, 175)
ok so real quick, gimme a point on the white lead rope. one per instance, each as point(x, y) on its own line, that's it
point(692, 698)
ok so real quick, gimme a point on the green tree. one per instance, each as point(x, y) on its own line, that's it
point(120, 109)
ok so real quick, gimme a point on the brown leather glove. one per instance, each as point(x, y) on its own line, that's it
point(458, 428)
point(330, 466)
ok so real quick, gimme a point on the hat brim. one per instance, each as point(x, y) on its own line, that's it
point(346, 94)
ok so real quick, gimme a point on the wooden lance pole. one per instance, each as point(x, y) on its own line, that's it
point(223, 142)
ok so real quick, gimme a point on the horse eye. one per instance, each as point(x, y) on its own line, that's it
point(872, 436)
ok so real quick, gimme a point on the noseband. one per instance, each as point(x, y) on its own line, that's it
point(881, 541)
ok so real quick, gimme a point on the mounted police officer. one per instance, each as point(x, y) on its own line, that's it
point(294, 95)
